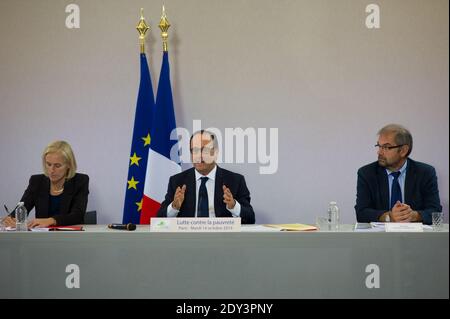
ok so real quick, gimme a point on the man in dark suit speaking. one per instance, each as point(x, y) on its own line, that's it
point(206, 190)
point(396, 188)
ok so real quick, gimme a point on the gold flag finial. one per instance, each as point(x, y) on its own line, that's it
point(142, 27)
point(164, 26)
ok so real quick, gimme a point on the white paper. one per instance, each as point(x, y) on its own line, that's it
point(404, 227)
point(366, 227)
point(40, 229)
point(258, 228)
point(378, 224)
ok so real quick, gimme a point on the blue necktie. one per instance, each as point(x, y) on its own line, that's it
point(203, 210)
point(396, 191)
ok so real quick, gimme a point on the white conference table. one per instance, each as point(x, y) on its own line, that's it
point(251, 264)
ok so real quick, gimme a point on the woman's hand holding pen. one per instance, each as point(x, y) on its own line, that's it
point(9, 221)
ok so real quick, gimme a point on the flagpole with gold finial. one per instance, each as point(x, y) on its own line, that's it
point(164, 25)
point(142, 27)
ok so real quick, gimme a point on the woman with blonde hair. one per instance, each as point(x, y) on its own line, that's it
point(60, 195)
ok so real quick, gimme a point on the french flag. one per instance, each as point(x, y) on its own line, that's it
point(163, 159)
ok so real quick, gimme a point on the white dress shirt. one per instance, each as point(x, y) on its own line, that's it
point(210, 188)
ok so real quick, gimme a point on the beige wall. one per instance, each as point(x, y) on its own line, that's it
point(310, 68)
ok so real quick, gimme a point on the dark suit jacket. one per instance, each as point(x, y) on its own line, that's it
point(421, 191)
point(235, 182)
point(73, 201)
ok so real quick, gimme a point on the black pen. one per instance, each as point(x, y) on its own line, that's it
point(9, 213)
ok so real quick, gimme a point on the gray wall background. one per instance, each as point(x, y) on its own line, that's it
point(310, 68)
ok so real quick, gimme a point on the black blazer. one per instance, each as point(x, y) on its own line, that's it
point(235, 182)
point(73, 201)
point(372, 191)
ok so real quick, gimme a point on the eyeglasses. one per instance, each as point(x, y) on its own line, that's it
point(387, 147)
point(204, 150)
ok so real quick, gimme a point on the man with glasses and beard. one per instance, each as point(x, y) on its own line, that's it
point(396, 188)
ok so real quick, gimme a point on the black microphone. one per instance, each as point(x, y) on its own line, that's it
point(128, 226)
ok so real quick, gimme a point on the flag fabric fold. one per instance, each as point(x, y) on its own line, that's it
point(163, 160)
point(140, 146)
